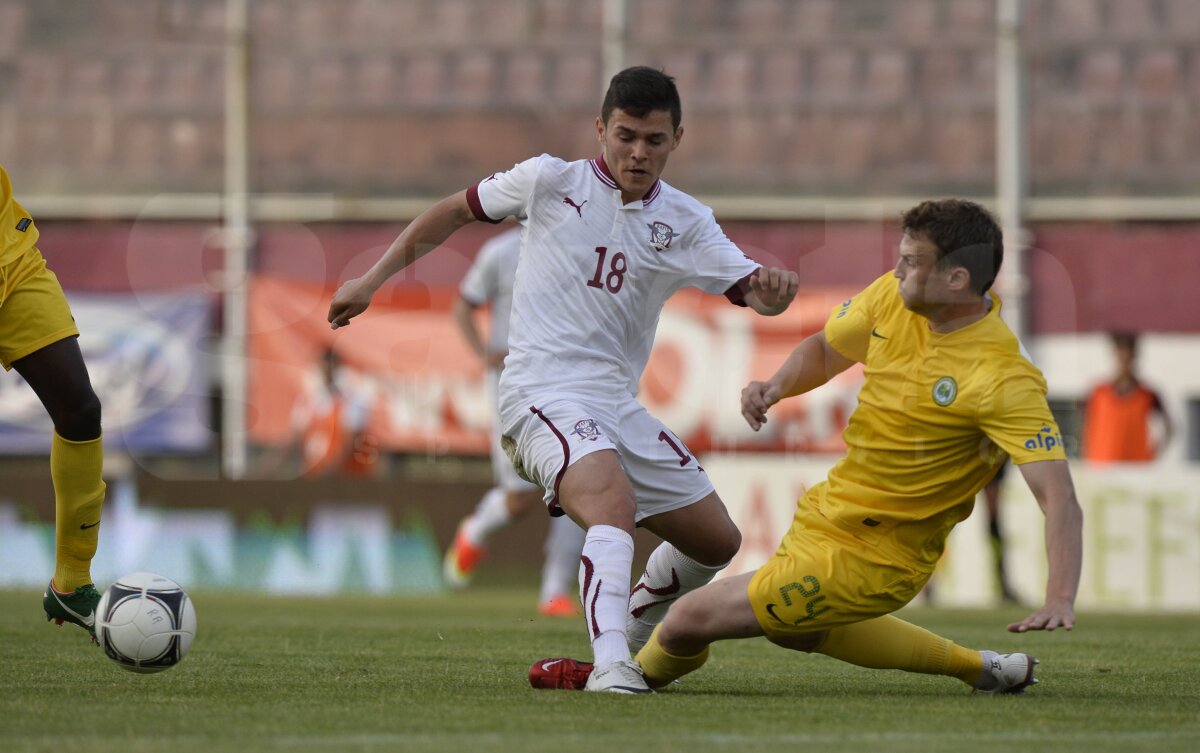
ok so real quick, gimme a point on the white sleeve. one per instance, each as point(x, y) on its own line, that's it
point(718, 263)
point(505, 194)
point(478, 286)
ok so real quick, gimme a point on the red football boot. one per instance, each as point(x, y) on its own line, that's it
point(559, 674)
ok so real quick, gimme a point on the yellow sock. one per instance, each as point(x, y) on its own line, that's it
point(891, 643)
point(662, 668)
point(75, 468)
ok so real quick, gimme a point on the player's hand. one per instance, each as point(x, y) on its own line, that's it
point(1057, 613)
point(495, 359)
point(350, 300)
point(757, 397)
point(775, 288)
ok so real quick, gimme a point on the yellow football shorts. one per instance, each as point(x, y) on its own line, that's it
point(33, 308)
point(822, 577)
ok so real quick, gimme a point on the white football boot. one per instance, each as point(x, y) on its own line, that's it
point(618, 677)
point(1006, 673)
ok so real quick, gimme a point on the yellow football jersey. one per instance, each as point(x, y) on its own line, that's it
point(17, 231)
point(936, 415)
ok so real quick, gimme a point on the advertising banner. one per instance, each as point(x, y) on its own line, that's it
point(146, 359)
point(406, 370)
point(1141, 535)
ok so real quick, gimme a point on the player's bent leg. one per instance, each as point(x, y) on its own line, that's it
point(679, 645)
point(669, 575)
point(889, 642)
point(702, 531)
point(597, 495)
point(706, 531)
point(58, 375)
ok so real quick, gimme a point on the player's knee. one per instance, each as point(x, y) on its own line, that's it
point(78, 419)
point(731, 544)
point(722, 546)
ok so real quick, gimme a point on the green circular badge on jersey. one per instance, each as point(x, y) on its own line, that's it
point(945, 390)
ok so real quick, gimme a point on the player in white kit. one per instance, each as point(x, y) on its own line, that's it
point(489, 281)
point(605, 244)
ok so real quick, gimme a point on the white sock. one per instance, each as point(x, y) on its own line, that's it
point(564, 544)
point(605, 565)
point(669, 575)
point(491, 514)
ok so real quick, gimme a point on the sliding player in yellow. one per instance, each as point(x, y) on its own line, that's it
point(38, 338)
point(947, 395)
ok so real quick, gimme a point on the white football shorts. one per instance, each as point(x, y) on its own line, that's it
point(504, 475)
point(546, 436)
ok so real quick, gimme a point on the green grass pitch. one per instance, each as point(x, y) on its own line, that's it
point(448, 674)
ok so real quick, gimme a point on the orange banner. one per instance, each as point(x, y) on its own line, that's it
point(408, 381)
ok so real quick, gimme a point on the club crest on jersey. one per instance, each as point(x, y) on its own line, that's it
point(944, 391)
point(586, 429)
point(661, 235)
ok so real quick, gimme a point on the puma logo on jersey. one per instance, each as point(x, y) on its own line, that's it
point(577, 207)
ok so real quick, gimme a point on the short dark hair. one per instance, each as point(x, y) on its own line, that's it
point(1124, 341)
point(966, 235)
point(640, 91)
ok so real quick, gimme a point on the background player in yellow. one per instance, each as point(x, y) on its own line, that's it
point(39, 339)
point(947, 394)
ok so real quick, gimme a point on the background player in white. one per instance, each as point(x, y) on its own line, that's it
point(489, 281)
point(606, 243)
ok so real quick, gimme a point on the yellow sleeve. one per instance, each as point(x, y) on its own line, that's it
point(848, 329)
point(1017, 418)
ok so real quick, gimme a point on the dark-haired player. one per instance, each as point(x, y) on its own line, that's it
point(606, 243)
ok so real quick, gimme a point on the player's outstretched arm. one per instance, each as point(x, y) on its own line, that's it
point(429, 230)
point(772, 291)
point(813, 363)
point(1050, 482)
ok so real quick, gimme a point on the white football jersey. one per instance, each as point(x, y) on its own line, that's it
point(490, 280)
point(594, 274)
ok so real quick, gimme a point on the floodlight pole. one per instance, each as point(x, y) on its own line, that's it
point(616, 24)
point(1011, 164)
point(236, 205)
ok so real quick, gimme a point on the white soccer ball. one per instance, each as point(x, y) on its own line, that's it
point(145, 622)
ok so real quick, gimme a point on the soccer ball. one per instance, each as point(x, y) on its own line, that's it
point(145, 622)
